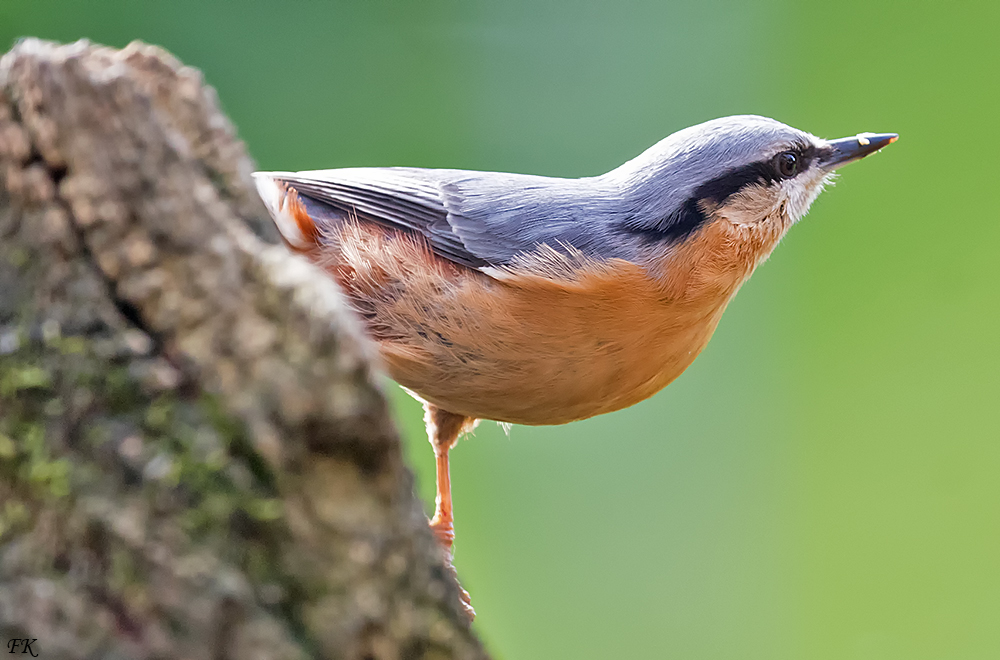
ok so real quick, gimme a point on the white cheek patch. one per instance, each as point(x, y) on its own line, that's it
point(799, 193)
point(752, 205)
point(789, 200)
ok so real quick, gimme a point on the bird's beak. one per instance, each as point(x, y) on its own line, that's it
point(846, 150)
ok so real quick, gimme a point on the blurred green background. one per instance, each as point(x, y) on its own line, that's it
point(824, 482)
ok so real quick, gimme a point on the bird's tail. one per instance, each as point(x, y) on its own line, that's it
point(290, 214)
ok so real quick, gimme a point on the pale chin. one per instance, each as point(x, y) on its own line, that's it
point(799, 198)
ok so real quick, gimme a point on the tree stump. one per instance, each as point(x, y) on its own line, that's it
point(196, 460)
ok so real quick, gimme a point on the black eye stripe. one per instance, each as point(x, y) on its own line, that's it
point(685, 220)
point(763, 172)
point(725, 186)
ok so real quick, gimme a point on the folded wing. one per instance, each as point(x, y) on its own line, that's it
point(477, 219)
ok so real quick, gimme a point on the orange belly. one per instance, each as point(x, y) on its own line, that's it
point(540, 372)
point(547, 343)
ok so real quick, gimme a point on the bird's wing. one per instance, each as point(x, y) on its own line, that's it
point(477, 219)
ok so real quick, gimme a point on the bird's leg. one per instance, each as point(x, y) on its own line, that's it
point(443, 430)
point(443, 522)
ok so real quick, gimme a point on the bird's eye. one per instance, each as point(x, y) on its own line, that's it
point(787, 163)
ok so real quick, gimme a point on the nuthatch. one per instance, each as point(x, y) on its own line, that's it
point(536, 300)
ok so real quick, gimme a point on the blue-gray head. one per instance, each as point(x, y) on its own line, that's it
point(746, 169)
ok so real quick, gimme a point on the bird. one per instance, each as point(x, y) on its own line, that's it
point(539, 300)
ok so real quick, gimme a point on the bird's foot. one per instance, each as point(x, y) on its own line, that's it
point(444, 530)
point(463, 596)
point(466, 601)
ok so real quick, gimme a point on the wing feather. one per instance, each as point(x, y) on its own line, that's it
point(477, 219)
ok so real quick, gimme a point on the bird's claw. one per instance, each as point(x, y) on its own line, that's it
point(444, 530)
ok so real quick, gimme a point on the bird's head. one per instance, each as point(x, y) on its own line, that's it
point(745, 170)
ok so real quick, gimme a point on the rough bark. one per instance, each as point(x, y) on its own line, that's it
point(195, 460)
